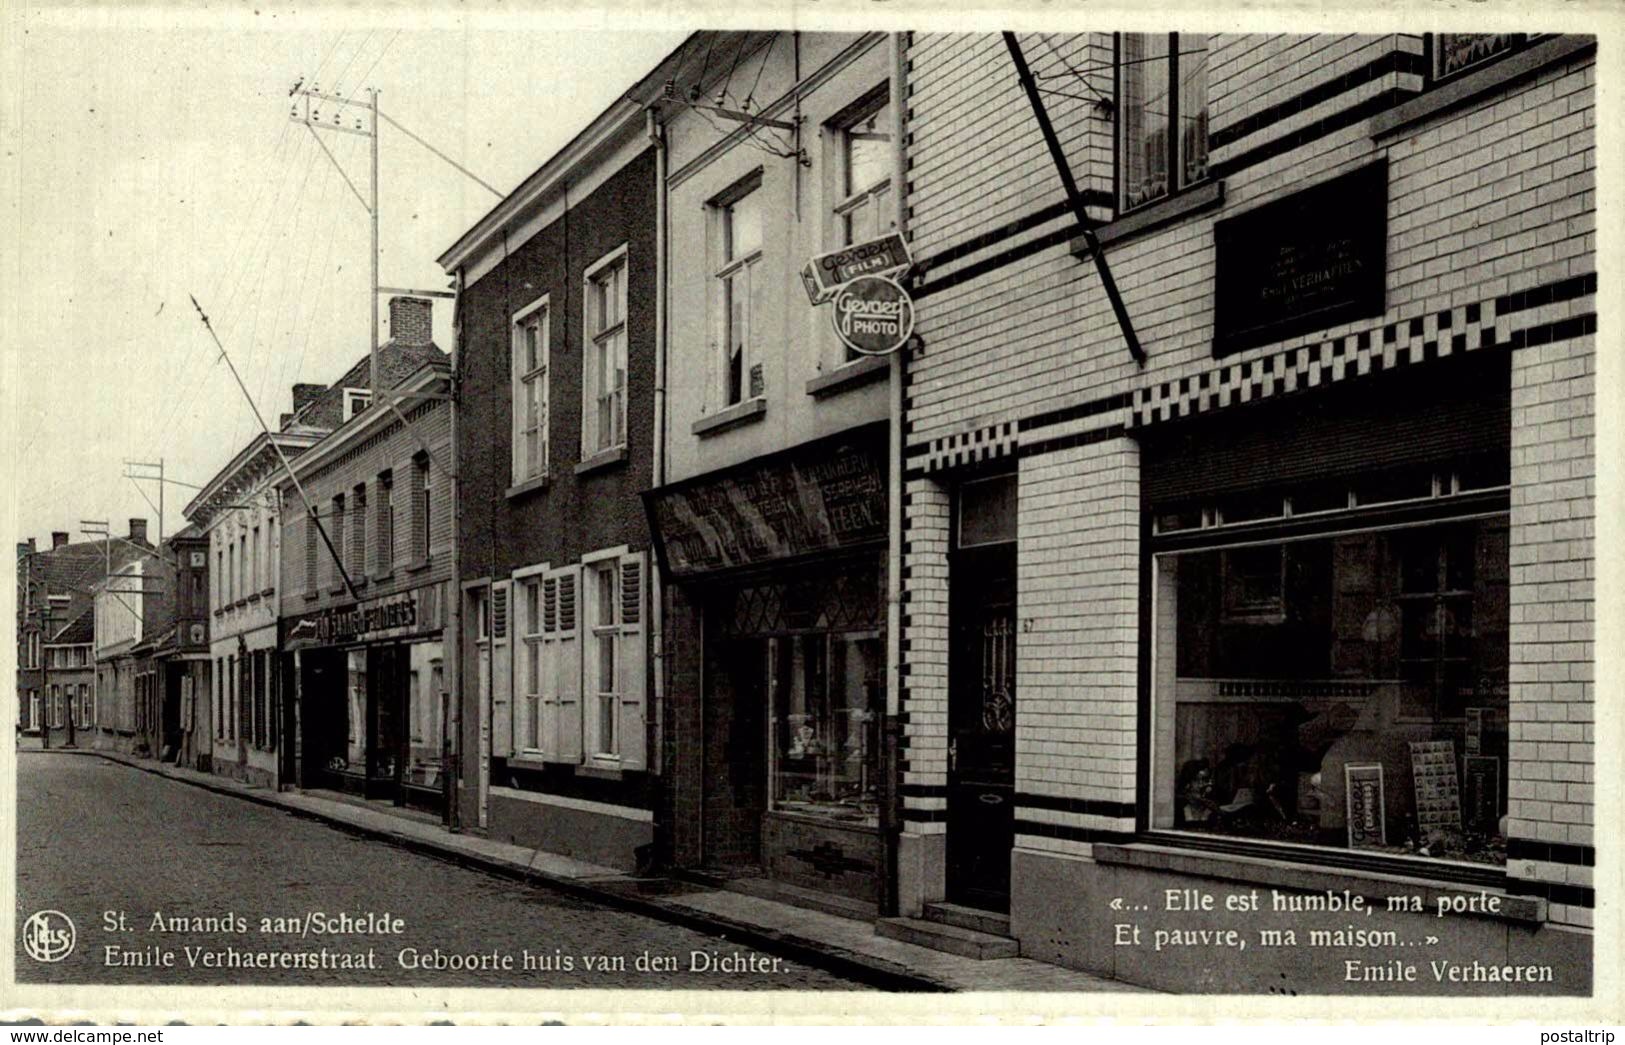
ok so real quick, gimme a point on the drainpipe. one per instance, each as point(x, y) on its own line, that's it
point(451, 644)
point(657, 606)
point(892, 808)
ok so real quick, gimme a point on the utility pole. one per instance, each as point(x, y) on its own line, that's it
point(159, 479)
point(92, 528)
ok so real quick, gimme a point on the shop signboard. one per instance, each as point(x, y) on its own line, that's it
point(825, 274)
point(873, 315)
point(1362, 788)
point(391, 616)
point(823, 497)
point(1309, 261)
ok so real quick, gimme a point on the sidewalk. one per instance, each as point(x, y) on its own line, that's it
point(842, 945)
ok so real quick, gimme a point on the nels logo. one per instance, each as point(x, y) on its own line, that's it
point(48, 936)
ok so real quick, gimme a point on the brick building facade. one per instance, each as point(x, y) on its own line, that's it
point(362, 690)
point(1305, 599)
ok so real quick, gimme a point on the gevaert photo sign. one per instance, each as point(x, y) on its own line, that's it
point(508, 598)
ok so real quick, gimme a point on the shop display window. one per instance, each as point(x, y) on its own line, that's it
point(1346, 690)
point(827, 697)
point(425, 714)
point(355, 690)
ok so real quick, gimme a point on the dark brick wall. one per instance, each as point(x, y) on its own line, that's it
point(572, 514)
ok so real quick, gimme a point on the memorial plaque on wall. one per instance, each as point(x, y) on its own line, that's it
point(1362, 789)
point(1438, 796)
point(1312, 260)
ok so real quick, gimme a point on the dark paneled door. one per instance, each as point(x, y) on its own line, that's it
point(981, 725)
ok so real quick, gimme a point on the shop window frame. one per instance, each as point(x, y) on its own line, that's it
point(1461, 506)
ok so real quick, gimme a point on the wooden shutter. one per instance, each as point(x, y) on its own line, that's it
point(548, 650)
point(501, 674)
point(634, 662)
point(567, 666)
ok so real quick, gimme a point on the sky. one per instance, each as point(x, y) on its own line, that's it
point(155, 160)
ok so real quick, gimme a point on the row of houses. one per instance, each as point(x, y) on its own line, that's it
point(1276, 571)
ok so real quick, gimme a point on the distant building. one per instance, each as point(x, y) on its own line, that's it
point(54, 607)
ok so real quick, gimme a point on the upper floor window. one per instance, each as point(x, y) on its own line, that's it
point(530, 391)
point(422, 503)
point(1455, 53)
point(603, 414)
point(355, 401)
point(866, 160)
point(738, 291)
point(384, 527)
point(1161, 113)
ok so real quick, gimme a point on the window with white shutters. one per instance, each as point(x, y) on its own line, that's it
point(501, 673)
point(634, 661)
point(561, 667)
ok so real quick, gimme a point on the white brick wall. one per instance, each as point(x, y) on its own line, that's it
point(926, 659)
point(1077, 597)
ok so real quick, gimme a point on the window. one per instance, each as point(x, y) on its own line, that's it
point(355, 401)
point(256, 580)
point(336, 536)
point(1347, 689)
point(603, 409)
point(231, 574)
point(384, 527)
point(232, 697)
point(601, 657)
point(422, 503)
point(828, 699)
point(1456, 53)
point(1162, 115)
point(865, 171)
point(219, 698)
point(530, 392)
point(221, 596)
point(312, 551)
point(737, 306)
point(527, 728)
point(356, 559)
point(242, 566)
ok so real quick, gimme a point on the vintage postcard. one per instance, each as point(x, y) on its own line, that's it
point(811, 513)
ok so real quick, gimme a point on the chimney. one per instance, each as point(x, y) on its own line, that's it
point(58, 539)
point(25, 547)
point(411, 321)
point(304, 395)
point(138, 531)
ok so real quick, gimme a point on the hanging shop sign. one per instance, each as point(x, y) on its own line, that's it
point(873, 315)
point(1307, 262)
point(826, 496)
point(393, 616)
point(825, 274)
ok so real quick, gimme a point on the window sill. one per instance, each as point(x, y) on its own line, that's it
point(312, 596)
point(380, 578)
point(1470, 86)
point(1307, 877)
point(849, 375)
point(267, 592)
point(736, 415)
point(420, 563)
point(1154, 216)
point(335, 589)
point(599, 772)
point(529, 760)
point(528, 486)
point(602, 459)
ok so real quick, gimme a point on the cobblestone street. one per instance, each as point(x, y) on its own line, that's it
point(96, 837)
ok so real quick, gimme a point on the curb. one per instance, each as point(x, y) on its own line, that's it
point(873, 972)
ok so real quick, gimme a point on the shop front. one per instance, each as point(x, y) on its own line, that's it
point(371, 697)
point(777, 689)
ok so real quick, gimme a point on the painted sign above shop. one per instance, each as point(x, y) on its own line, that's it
point(392, 616)
point(1307, 262)
point(823, 497)
point(824, 274)
point(873, 315)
